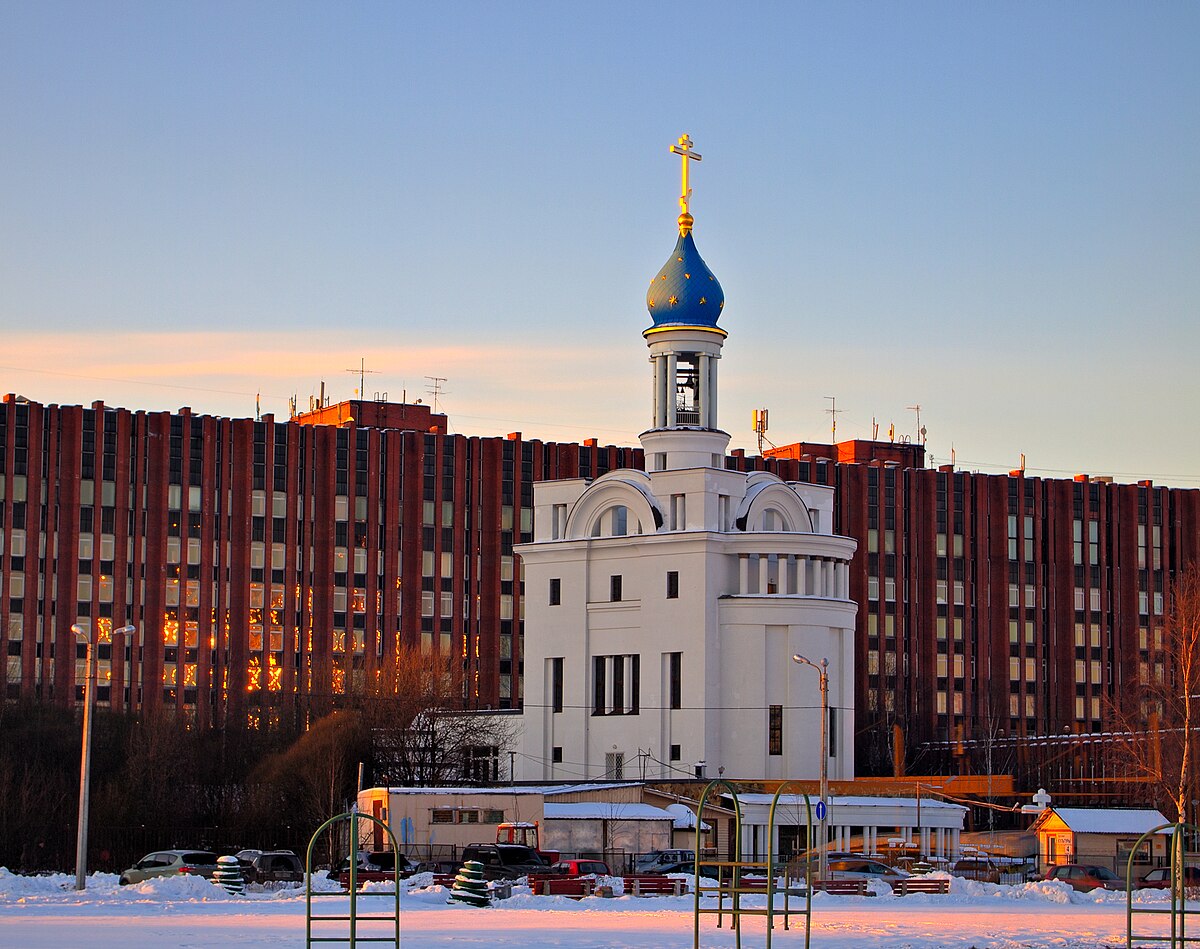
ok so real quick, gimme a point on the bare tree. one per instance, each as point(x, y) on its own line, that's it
point(420, 733)
point(1156, 722)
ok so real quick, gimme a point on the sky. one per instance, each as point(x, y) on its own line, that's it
point(991, 211)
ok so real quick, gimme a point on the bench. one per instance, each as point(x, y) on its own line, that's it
point(654, 886)
point(558, 885)
point(841, 887)
point(920, 885)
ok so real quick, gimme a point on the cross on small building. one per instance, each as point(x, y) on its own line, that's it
point(684, 150)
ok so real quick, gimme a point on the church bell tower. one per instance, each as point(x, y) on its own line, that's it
point(685, 301)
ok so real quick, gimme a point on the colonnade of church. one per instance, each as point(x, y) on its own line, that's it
point(942, 842)
point(794, 574)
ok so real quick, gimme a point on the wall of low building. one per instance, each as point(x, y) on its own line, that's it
point(606, 836)
point(411, 816)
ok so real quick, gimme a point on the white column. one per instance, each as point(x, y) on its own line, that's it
point(764, 566)
point(743, 573)
point(712, 393)
point(802, 576)
point(672, 369)
point(785, 567)
point(830, 589)
point(702, 380)
point(843, 569)
point(955, 847)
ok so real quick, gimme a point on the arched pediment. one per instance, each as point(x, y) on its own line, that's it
point(770, 505)
point(595, 515)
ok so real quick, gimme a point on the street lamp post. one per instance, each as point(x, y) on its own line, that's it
point(823, 672)
point(85, 758)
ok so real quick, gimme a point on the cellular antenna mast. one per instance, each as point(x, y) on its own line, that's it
point(361, 372)
point(435, 390)
point(833, 410)
point(760, 429)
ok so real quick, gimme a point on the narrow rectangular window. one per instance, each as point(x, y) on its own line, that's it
point(614, 765)
point(598, 683)
point(672, 584)
point(833, 733)
point(556, 754)
point(775, 730)
point(675, 679)
point(614, 589)
point(618, 685)
point(555, 591)
point(676, 753)
point(556, 684)
point(635, 684)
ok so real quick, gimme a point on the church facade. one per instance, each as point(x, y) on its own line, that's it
point(664, 607)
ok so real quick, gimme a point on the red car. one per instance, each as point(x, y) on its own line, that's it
point(581, 868)
point(1160, 878)
point(1085, 877)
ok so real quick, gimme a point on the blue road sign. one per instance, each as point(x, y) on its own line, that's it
point(822, 810)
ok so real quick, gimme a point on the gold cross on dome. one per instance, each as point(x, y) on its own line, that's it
point(684, 150)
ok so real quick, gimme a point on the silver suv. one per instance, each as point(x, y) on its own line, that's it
point(164, 863)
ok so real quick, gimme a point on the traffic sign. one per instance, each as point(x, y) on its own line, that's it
point(822, 810)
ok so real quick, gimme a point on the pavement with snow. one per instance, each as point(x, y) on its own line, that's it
point(190, 913)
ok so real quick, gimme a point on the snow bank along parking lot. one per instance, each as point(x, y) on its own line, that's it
point(190, 912)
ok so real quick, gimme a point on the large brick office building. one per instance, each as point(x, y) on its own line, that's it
point(271, 566)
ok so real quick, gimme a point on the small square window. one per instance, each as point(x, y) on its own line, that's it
point(555, 591)
point(672, 584)
point(614, 589)
point(556, 754)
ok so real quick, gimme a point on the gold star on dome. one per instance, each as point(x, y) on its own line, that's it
point(688, 276)
point(673, 300)
point(652, 304)
point(703, 300)
point(680, 259)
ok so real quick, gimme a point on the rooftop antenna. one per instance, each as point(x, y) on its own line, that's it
point(760, 429)
point(920, 431)
point(362, 371)
point(833, 410)
point(435, 390)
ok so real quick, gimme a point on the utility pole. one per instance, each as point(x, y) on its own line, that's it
point(823, 672)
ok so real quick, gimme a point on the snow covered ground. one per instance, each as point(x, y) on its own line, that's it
point(189, 913)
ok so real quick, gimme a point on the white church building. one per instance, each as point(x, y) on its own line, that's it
point(663, 607)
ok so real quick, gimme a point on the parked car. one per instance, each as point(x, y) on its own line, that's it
point(862, 869)
point(1085, 877)
point(164, 863)
point(666, 861)
point(373, 868)
point(270, 866)
point(581, 867)
point(1160, 878)
point(505, 861)
point(980, 868)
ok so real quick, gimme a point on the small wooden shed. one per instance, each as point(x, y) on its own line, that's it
point(1098, 835)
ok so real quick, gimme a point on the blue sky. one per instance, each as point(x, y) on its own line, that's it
point(991, 210)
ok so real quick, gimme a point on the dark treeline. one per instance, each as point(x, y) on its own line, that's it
point(159, 783)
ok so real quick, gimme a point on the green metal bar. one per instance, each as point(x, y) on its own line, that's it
point(353, 816)
point(1177, 907)
point(735, 897)
point(807, 868)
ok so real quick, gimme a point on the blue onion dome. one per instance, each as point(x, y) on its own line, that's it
point(685, 292)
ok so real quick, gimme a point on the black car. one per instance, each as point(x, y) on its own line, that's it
point(270, 866)
point(506, 861)
point(373, 868)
